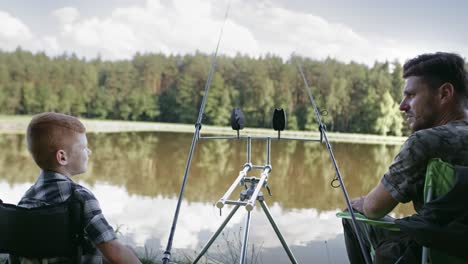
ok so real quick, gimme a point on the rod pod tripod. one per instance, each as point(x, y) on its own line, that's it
point(248, 197)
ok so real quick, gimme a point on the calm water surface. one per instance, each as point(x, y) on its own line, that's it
point(137, 178)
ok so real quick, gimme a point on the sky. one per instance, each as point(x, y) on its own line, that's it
point(361, 31)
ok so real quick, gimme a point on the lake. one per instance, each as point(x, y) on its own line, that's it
point(137, 178)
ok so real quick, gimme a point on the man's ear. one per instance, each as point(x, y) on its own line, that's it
point(447, 92)
point(61, 157)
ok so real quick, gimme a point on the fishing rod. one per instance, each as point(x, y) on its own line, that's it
point(323, 135)
point(167, 253)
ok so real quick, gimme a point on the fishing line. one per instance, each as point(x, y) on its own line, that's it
point(323, 135)
point(167, 253)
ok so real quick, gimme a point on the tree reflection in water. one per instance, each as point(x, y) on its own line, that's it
point(137, 178)
point(152, 164)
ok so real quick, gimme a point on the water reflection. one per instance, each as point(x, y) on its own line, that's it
point(137, 177)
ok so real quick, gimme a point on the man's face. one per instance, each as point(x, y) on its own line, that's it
point(79, 154)
point(420, 104)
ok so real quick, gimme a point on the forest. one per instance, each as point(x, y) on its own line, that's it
point(353, 97)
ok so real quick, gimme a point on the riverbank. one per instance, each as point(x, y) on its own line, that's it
point(18, 124)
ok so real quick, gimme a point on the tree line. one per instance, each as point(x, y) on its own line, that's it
point(353, 97)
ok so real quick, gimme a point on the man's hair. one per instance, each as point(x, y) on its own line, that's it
point(439, 68)
point(49, 132)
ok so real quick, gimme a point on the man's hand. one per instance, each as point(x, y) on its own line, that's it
point(379, 202)
point(375, 204)
point(358, 204)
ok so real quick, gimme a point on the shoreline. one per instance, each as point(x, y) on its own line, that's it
point(17, 125)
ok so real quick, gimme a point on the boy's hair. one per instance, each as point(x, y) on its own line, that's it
point(439, 68)
point(49, 132)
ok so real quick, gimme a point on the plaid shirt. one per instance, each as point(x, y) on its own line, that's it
point(52, 188)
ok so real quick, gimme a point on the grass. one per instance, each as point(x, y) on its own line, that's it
point(226, 249)
point(17, 125)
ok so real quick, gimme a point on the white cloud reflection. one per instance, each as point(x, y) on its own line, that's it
point(142, 219)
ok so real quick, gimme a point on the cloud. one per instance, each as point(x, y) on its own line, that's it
point(66, 15)
point(183, 26)
point(253, 28)
point(13, 32)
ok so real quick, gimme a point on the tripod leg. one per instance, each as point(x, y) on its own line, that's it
point(278, 233)
point(246, 238)
point(216, 234)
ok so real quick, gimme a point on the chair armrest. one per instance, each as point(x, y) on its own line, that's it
point(386, 222)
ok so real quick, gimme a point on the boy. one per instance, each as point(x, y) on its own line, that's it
point(59, 146)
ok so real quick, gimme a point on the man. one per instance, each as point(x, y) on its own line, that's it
point(434, 102)
point(59, 146)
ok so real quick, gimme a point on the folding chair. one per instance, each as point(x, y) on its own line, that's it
point(443, 217)
point(43, 232)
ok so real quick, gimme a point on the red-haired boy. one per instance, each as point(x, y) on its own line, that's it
point(59, 146)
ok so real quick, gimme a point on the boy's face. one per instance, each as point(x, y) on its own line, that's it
point(78, 154)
